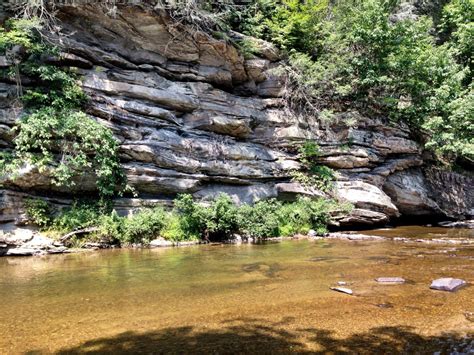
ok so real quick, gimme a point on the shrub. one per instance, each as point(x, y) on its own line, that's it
point(84, 146)
point(222, 217)
point(193, 216)
point(111, 227)
point(39, 212)
point(260, 220)
point(173, 229)
point(218, 219)
point(189, 220)
point(303, 215)
point(81, 214)
point(143, 226)
point(313, 174)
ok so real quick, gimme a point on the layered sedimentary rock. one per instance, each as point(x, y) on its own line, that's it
point(192, 115)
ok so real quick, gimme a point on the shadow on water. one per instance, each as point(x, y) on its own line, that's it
point(254, 336)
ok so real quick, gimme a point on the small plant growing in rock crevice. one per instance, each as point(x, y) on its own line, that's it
point(313, 175)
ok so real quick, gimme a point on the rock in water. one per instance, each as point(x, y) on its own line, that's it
point(390, 280)
point(160, 242)
point(342, 289)
point(447, 284)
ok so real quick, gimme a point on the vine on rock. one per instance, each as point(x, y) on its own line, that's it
point(54, 134)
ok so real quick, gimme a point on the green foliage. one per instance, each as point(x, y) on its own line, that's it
point(313, 174)
point(111, 227)
point(7, 162)
point(219, 219)
point(287, 23)
point(453, 135)
point(143, 226)
point(173, 229)
point(292, 23)
point(353, 55)
point(248, 48)
point(260, 220)
point(458, 27)
point(54, 134)
point(305, 214)
point(81, 214)
point(39, 212)
point(222, 216)
point(21, 32)
point(193, 216)
point(67, 144)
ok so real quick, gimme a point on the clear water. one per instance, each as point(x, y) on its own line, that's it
point(239, 298)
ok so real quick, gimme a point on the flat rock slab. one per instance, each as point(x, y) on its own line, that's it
point(447, 284)
point(160, 242)
point(390, 280)
point(22, 252)
point(343, 290)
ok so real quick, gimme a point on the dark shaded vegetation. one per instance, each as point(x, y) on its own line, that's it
point(255, 336)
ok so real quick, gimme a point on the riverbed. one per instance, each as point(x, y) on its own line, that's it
point(272, 297)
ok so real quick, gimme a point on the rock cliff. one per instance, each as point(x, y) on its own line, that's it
point(193, 115)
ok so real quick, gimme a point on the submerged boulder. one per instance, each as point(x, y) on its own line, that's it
point(345, 290)
point(447, 284)
point(390, 280)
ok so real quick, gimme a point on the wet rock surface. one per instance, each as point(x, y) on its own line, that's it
point(345, 290)
point(160, 242)
point(35, 244)
point(390, 280)
point(447, 284)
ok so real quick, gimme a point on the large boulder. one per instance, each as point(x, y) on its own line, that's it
point(365, 196)
point(409, 193)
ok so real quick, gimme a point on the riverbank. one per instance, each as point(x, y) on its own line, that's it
point(35, 244)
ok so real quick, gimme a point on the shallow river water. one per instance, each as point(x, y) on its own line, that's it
point(265, 298)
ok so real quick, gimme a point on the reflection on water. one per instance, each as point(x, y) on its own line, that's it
point(421, 232)
point(238, 298)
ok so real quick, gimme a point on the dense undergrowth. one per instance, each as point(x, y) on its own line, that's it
point(219, 219)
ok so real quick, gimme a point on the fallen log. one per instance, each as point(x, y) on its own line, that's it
point(87, 230)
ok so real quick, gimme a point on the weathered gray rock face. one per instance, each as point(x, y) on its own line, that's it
point(431, 192)
point(192, 115)
point(409, 191)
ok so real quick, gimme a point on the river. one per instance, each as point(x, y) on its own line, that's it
point(264, 298)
